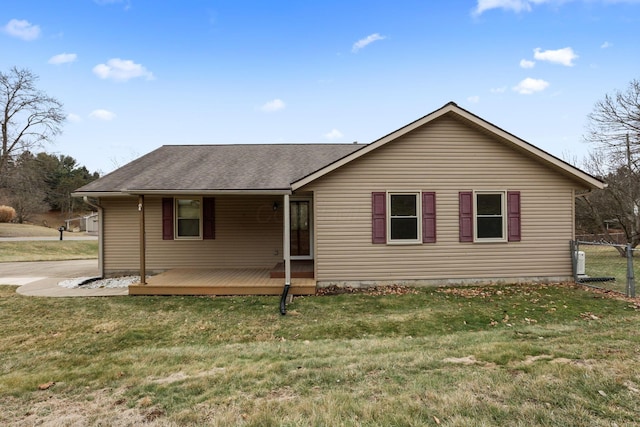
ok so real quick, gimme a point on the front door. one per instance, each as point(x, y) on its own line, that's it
point(300, 225)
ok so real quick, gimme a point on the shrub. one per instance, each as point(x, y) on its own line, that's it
point(7, 213)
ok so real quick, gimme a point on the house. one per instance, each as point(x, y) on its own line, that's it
point(448, 198)
point(88, 223)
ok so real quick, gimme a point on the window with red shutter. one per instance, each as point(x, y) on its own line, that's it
point(428, 217)
point(379, 217)
point(465, 213)
point(208, 218)
point(167, 218)
point(513, 216)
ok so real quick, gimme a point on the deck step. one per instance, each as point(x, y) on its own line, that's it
point(218, 290)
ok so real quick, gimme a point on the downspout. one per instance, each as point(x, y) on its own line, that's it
point(100, 234)
point(287, 256)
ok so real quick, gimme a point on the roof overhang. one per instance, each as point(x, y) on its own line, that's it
point(451, 108)
point(271, 192)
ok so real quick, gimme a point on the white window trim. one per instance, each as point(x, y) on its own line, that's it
point(418, 196)
point(175, 222)
point(477, 239)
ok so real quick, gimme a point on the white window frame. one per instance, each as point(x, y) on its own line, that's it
point(503, 210)
point(418, 197)
point(175, 223)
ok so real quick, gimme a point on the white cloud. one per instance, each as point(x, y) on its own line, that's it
point(606, 45)
point(502, 89)
point(74, 118)
point(473, 99)
point(63, 58)
point(104, 115)
point(273, 106)
point(127, 3)
point(525, 63)
point(22, 29)
point(529, 86)
point(513, 5)
point(564, 56)
point(334, 134)
point(527, 5)
point(366, 41)
point(121, 70)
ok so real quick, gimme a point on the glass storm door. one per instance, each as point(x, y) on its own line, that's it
point(300, 228)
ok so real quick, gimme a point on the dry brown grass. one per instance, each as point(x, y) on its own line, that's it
point(26, 230)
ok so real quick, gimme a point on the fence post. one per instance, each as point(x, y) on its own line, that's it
point(631, 282)
point(573, 244)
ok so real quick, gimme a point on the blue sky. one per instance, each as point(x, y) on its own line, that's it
point(136, 74)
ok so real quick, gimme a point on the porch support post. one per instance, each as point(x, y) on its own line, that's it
point(287, 241)
point(143, 272)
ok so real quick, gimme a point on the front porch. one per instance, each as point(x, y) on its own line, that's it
point(226, 281)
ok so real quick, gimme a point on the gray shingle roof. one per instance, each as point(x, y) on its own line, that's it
point(260, 167)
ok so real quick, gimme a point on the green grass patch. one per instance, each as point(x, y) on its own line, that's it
point(26, 230)
point(605, 261)
point(509, 355)
point(48, 250)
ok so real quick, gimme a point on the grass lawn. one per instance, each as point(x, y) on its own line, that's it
point(26, 230)
point(509, 355)
point(43, 250)
point(48, 250)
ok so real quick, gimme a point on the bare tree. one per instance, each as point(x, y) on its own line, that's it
point(614, 129)
point(29, 117)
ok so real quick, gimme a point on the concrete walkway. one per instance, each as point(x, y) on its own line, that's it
point(41, 278)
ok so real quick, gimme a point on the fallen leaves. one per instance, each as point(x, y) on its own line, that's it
point(46, 386)
point(374, 290)
point(589, 316)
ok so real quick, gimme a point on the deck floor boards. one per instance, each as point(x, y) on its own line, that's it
point(192, 281)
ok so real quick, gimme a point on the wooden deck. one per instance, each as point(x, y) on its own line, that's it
point(299, 268)
point(188, 281)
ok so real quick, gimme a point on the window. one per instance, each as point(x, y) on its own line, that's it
point(188, 218)
point(490, 215)
point(400, 218)
point(404, 217)
point(188, 214)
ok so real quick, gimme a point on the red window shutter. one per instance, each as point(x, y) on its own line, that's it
point(379, 217)
point(513, 216)
point(167, 218)
point(466, 216)
point(428, 217)
point(208, 218)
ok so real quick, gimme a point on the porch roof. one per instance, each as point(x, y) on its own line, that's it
point(203, 169)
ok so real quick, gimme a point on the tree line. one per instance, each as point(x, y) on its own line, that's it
point(42, 182)
point(29, 119)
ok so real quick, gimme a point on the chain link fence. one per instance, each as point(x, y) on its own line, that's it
point(603, 265)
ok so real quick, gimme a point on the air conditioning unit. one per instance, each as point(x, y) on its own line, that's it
point(581, 264)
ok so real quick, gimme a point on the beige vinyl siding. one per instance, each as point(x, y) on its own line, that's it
point(248, 235)
point(120, 219)
point(447, 157)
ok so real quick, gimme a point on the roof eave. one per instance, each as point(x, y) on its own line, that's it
point(143, 192)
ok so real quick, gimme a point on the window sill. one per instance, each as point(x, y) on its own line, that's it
point(490, 241)
point(407, 243)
